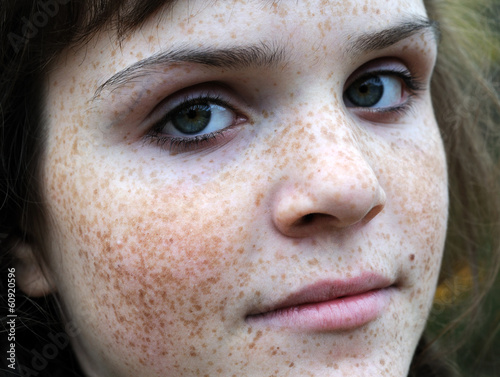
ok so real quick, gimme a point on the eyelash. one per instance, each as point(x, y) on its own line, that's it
point(175, 145)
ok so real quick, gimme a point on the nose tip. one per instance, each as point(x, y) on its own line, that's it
point(323, 206)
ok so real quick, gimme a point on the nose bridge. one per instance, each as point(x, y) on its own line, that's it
point(331, 182)
point(327, 138)
point(336, 165)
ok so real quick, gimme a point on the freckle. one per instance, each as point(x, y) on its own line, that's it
point(259, 198)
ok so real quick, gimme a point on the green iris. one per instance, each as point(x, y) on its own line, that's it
point(366, 92)
point(192, 119)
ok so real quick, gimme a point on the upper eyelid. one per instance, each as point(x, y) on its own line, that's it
point(414, 81)
point(220, 94)
point(203, 90)
point(196, 100)
point(375, 66)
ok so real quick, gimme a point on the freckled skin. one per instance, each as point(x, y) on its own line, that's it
point(159, 257)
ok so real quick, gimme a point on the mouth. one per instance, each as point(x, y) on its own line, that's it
point(328, 305)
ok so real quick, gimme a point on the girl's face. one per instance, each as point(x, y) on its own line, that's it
point(248, 188)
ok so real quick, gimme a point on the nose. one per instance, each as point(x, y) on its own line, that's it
point(335, 187)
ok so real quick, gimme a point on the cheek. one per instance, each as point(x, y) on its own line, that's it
point(149, 266)
point(419, 214)
point(421, 201)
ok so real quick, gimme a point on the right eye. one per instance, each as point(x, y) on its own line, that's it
point(376, 91)
point(195, 123)
point(196, 117)
point(384, 90)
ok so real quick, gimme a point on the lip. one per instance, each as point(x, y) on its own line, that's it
point(328, 305)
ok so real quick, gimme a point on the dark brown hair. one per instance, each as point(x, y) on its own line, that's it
point(465, 100)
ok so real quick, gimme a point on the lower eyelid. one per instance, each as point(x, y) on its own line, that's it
point(385, 115)
point(209, 141)
point(176, 145)
point(215, 92)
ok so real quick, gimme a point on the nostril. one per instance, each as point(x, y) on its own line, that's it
point(310, 218)
point(301, 213)
point(307, 219)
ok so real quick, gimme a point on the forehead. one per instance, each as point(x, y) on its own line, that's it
point(235, 15)
point(190, 15)
point(218, 24)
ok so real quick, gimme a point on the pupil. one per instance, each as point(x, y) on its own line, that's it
point(193, 119)
point(366, 92)
point(363, 89)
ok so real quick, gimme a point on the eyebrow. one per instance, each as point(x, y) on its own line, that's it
point(385, 38)
point(260, 55)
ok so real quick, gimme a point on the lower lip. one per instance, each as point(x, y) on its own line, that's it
point(339, 314)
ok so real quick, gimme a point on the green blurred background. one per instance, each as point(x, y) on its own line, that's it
point(480, 354)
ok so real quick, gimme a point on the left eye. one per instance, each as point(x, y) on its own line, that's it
point(375, 91)
point(196, 117)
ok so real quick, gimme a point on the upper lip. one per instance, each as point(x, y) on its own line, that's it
point(328, 290)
